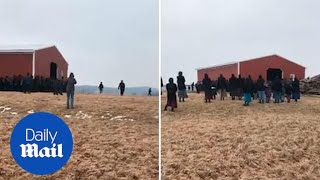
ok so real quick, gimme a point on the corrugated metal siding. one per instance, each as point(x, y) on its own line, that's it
point(214, 73)
point(15, 64)
point(43, 59)
point(260, 66)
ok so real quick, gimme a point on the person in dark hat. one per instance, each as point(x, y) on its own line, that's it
point(171, 95)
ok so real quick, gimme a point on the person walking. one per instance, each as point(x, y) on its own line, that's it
point(122, 87)
point(171, 95)
point(149, 92)
point(70, 91)
point(101, 88)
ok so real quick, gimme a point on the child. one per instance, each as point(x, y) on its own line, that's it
point(171, 95)
point(268, 92)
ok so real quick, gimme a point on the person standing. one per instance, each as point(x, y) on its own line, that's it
point(240, 82)
point(222, 86)
point(198, 87)
point(296, 89)
point(27, 84)
point(277, 89)
point(171, 95)
point(233, 88)
point(207, 85)
point(288, 90)
point(192, 86)
point(182, 93)
point(247, 90)
point(70, 90)
point(261, 90)
point(101, 88)
point(122, 87)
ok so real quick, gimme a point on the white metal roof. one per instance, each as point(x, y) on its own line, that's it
point(219, 65)
point(23, 48)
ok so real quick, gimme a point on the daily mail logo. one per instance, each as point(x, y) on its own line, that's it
point(32, 150)
point(41, 143)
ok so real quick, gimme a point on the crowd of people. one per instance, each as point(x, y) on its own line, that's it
point(29, 84)
point(240, 88)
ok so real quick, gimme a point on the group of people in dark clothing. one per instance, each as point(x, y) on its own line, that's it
point(238, 87)
point(28, 84)
point(172, 89)
point(121, 87)
point(250, 89)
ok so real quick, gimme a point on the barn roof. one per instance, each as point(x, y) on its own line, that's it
point(218, 66)
point(24, 48)
point(253, 59)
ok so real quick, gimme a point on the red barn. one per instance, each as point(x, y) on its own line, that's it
point(269, 67)
point(39, 61)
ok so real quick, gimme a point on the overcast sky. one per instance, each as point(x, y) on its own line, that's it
point(200, 33)
point(102, 40)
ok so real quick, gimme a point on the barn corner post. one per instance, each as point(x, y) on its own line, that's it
point(238, 68)
point(33, 64)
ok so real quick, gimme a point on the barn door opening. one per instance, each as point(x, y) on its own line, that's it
point(273, 73)
point(53, 70)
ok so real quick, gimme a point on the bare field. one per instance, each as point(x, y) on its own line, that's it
point(114, 137)
point(225, 140)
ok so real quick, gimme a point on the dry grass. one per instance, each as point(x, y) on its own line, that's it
point(123, 148)
point(224, 140)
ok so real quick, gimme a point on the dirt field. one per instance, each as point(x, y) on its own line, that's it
point(225, 140)
point(106, 144)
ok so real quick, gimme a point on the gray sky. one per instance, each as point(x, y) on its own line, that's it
point(102, 40)
point(200, 33)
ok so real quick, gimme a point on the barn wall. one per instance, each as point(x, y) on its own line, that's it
point(44, 57)
point(214, 73)
point(261, 65)
point(15, 64)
